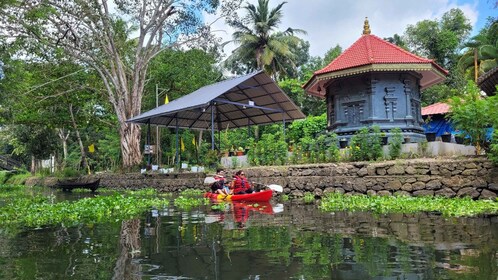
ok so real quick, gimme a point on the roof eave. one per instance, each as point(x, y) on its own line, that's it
point(321, 78)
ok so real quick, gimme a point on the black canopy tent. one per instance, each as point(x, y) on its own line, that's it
point(253, 99)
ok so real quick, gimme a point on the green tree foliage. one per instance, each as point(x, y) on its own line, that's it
point(474, 114)
point(395, 143)
point(331, 54)
point(261, 45)
point(439, 39)
point(55, 96)
point(178, 73)
point(481, 50)
point(271, 149)
point(322, 148)
point(365, 144)
point(397, 40)
point(95, 36)
point(309, 127)
point(310, 105)
point(493, 151)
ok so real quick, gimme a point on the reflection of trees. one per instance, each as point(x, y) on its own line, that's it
point(129, 247)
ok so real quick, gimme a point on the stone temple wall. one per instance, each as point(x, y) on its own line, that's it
point(475, 177)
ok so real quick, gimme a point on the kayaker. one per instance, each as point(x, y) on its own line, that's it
point(240, 185)
point(219, 186)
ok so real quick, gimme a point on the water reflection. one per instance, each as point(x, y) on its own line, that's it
point(258, 241)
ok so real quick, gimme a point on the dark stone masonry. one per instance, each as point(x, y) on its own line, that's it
point(475, 177)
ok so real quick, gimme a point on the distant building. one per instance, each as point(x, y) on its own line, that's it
point(374, 82)
point(435, 120)
point(488, 81)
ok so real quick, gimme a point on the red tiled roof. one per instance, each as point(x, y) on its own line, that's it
point(370, 49)
point(435, 109)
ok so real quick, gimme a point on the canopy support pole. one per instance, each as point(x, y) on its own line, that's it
point(148, 145)
point(212, 126)
point(283, 121)
point(248, 128)
point(177, 155)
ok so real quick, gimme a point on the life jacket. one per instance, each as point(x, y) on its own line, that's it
point(240, 184)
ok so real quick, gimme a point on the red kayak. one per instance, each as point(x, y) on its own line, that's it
point(262, 196)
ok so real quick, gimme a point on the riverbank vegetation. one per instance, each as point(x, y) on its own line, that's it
point(22, 206)
point(32, 207)
point(449, 207)
point(36, 210)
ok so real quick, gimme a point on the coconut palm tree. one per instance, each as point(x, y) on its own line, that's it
point(482, 52)
point(260, 45)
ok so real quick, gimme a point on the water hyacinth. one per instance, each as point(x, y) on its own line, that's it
point(40, 211)
point(449, 207)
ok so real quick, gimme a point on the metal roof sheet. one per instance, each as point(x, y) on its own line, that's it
point(253, 99)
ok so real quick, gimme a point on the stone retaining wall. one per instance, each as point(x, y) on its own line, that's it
point(474, 177)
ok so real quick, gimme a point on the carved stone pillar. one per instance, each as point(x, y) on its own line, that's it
point(390, 102)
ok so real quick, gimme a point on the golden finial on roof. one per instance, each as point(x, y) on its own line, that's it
point(366, 27)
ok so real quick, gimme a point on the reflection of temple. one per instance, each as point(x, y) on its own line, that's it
point(374, 82)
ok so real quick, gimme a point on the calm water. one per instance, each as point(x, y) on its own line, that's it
point(265, 241)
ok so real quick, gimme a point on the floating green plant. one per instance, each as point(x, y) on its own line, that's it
point(222, 205)
point(456, 207)
point(38, 211)
point(187, 203)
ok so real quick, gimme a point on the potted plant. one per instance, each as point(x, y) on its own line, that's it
point(459, 139)
point(430, 136)
point(383, 139)
point(240, 151)
point(343, 143)
point(446, 137)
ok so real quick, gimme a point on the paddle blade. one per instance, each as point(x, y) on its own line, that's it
point(276, 188)
point(209, 180)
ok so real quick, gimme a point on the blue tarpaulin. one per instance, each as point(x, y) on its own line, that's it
point(442, 126)
point(439, 126)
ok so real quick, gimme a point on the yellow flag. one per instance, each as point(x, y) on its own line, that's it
point(166, 99)
point(91, 148)
point(182, 145)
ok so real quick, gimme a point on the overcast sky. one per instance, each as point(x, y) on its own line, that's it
point(332, 22)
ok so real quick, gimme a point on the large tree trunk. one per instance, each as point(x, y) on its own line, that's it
point(84, 163)
point(130, 144)
point(64, 136)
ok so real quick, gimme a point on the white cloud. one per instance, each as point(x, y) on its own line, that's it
point(332, 22)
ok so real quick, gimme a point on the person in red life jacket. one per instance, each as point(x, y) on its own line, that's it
point(240, 185)
point(219, 186)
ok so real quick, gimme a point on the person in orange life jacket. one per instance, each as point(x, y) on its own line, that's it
point(219, 186)
point(240, 185)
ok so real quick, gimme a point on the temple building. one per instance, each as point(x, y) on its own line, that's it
point(374, 82)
